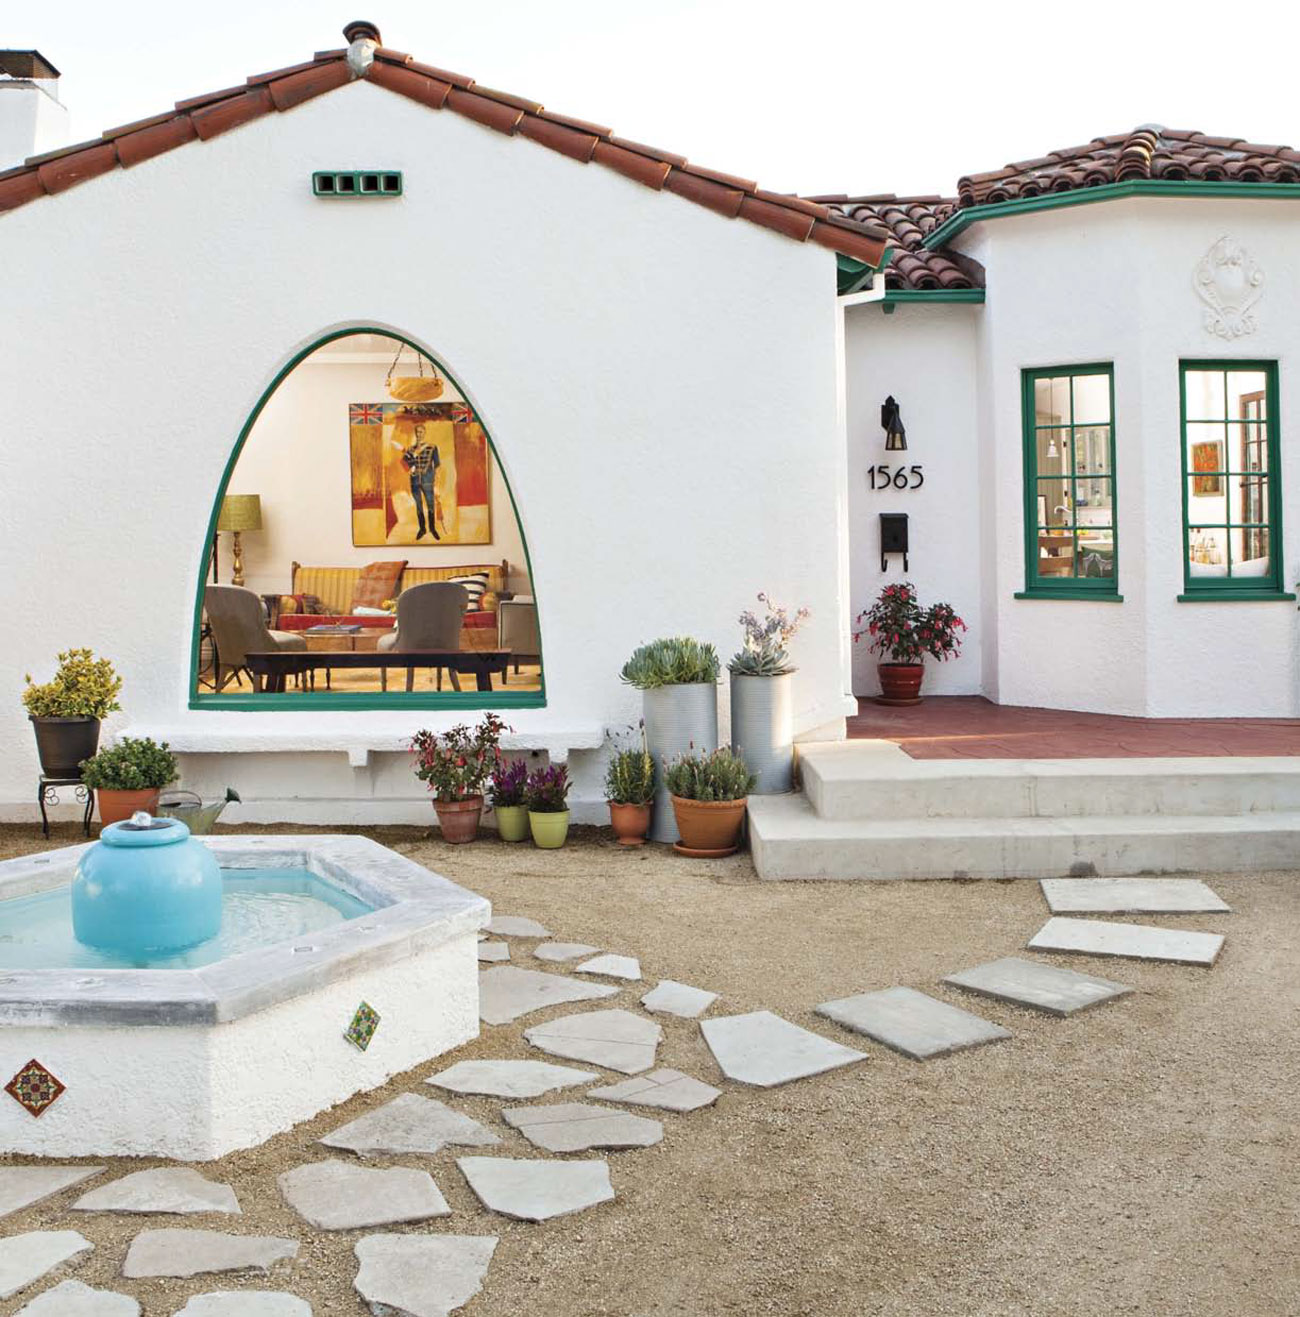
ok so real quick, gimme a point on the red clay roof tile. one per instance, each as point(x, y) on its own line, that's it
point(218, 112)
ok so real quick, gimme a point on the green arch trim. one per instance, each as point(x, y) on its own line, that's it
point(354, 700)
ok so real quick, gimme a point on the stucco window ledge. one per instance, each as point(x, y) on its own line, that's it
point(1236, 596)
point(358, 735)
point(1092, 596)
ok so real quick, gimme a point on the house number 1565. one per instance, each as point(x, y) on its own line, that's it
point(886, 477)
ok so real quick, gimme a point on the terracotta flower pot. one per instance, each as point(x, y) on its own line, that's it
point(549, 828)
point(630, 823)
point(458, 819)
point(118, 806)
point(900, 683)
point(512, 822)
point(709, 827)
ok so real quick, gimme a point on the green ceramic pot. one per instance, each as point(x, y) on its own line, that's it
point(512, 822)
point(549, 829)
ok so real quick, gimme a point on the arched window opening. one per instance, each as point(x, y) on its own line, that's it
point(365, 549)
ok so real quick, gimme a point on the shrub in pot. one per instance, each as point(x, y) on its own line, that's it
point(762, 727)
point(128, 776)
point(506, 794)
point(547, 794)
point(67, 711)
point(900, 629)
point(709, 794)
point(630, 791)
point(678, 681)
point(455, 767)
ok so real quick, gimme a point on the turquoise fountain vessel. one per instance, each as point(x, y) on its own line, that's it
point(146, 887)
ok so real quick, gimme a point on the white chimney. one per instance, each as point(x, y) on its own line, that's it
point(32, 118)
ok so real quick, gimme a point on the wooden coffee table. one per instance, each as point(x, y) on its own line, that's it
point(357, 642)
point(273, 667)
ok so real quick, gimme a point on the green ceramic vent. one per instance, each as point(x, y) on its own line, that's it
point(357, 183)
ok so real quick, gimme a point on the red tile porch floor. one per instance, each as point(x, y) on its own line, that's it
point(971, 727)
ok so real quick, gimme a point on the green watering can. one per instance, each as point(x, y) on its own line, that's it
point(188, 806)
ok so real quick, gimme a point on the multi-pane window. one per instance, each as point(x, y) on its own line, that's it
point(1069, 480)
point(1230, 477)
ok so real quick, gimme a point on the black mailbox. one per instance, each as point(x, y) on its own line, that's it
point(893, 537)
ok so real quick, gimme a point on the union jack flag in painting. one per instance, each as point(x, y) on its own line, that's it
point(364, 413)
point(459, 412)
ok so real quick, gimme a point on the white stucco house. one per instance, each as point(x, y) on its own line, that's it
point(608, 315)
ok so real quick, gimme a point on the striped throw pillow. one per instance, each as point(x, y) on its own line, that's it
point(477, 586)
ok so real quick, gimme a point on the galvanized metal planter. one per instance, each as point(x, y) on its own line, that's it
point(762, 729)
point(678, 720)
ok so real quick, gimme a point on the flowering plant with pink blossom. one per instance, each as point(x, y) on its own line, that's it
point(763, 651)
point(456, 764)
point(903, 632)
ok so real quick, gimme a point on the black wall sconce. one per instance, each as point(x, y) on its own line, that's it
point(893, 537)
point(891, 421)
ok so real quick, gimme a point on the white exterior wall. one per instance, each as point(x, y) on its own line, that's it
point(620, 345)
point(32, 120)
point(925, 356)
point(1104, 282)
point(296, 459)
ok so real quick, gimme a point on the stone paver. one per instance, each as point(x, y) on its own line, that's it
point(516, 926)
point(1097, 937)
point(409, 1123)
point(764, 1050)
point(537, 1190)
point(577, 1127)
point(1041, 987)
point(563, 950)
point(336, 1195)
point(509, 1079)
point(1135, 896)
point(178, 1189)
point(617, 1040)
point(505, 992)
point(26, 1258)
point(491, 951)
point(673, 998)
point(614, 967)
point(912, 1023)
point(183, 1253)
point(669, 1090)
point(21, 1186)
point(245, 1303)
point(73, 1299)
point(422, 1275)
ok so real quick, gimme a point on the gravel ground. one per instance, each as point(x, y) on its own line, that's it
point(1139, 1158)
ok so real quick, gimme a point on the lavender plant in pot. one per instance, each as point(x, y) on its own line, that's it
point(455, 766)
point(630, 791)
point(548, 806)
point(902, 630)
point(506, 793)
point(762, 724)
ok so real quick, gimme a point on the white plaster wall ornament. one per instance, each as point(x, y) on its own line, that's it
point(1229, 282)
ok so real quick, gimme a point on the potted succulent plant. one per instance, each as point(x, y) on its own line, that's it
point(547, 793)
point(709, 794)
point(678, 681)
point(630, 791)
point(905, 632)
point(128, 776)
point(506, 794)
point(762, 730)
point(66, 712)
point(455, 766)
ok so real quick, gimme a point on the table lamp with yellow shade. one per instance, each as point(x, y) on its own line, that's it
point(239, 512)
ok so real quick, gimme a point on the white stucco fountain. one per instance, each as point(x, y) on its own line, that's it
point(190, 1049)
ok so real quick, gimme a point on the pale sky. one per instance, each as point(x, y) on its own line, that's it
point(803, 95)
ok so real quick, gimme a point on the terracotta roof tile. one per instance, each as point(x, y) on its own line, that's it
point(208, 116)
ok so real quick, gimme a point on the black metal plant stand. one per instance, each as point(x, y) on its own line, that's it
point(47, 793)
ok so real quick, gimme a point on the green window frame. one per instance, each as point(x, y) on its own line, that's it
point(1239, 480)
point(1066, 557)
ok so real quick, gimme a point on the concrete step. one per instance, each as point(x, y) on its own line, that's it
point(876, 780)
point(790, 840)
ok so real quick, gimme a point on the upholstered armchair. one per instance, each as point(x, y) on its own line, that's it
point(518, 631)
point(239, 627)
point(428, 617)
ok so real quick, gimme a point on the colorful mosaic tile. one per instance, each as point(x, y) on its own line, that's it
point(34, 1088)
point(363, 1026)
